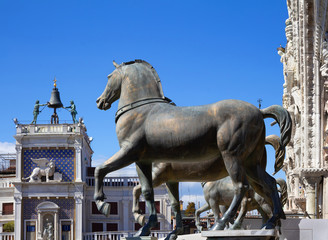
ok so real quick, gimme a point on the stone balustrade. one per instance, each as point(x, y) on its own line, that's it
point(119, 235)
point(7, 236)
point(115, 181)
point(47, 128)
point(6, 183)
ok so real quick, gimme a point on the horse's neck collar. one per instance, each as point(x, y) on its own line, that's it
point(140, 103)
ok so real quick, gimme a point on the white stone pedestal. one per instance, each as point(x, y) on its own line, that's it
point(241, 234)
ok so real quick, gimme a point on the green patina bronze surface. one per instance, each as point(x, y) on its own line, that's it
point(229, 134)
point(36, 111)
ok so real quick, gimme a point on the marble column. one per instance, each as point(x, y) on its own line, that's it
point(168, 214)
point(19, 162)
point(297, 186)
point(78, 159)
point(18, 216)
point(56, 221)
point(126, 214)
point(310, 195)
point(325, 198)
point(78, 217)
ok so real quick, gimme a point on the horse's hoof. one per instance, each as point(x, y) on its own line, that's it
point(103, 207)
point(283, 215)
point(217, 226)
point(199, 229)
point(171, 237)
point(174, 234)
point(269, 225)
point(141, 220)
point(144, 231)
point(179, 231)
point(235, 227)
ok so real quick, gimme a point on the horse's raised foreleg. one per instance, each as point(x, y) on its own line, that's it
point(173, 190)
point(138, 217)
point(145, 178)
point(119, 160)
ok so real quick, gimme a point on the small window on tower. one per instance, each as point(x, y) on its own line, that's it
point(7, 209)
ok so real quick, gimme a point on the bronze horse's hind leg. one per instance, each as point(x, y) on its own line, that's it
point(266, 186)
point(173, 190)
point(145, 177)
point(240, 183)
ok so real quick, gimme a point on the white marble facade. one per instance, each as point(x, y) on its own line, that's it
point(60, 205)
point(305, 68)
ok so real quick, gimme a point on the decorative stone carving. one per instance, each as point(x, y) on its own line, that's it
point(44, 168)
point(324, 58)
point(78, 198)
point(305, 95)
point(18, 199)
point(48, 232)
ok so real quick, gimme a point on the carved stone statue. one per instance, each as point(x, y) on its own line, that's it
point(44, 168)
point(36, 111)
point(72, 111)
point(229, 133)
point(48, 232)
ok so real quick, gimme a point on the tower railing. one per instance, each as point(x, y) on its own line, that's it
point(115, 181)
point(46, 128)
point(6, 183)
point(118, 235)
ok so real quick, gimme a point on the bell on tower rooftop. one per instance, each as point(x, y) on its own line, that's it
point(55, 97)
point(55, 103)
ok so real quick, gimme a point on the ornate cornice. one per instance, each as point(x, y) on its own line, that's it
point(314, 172)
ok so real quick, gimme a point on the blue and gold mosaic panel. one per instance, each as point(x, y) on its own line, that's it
point(66, 210)
point(63, 158)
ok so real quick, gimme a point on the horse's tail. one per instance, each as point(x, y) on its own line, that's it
point(282, 117)
point(275, 142)
point(283, 190)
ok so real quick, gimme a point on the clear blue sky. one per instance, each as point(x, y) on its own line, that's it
point(203, 51)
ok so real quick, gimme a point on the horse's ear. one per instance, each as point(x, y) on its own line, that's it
point(115, 64)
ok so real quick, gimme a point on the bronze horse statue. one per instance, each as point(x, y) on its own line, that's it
point(150, 129)
point(169, 173)
point(219, 194)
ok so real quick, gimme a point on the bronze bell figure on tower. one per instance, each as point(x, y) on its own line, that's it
point(55, 103)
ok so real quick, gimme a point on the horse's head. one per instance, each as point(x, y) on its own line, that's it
point(112, 91)
point(131, 82)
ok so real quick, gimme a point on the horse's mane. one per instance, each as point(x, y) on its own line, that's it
point(157, 79)
point(136, 61)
